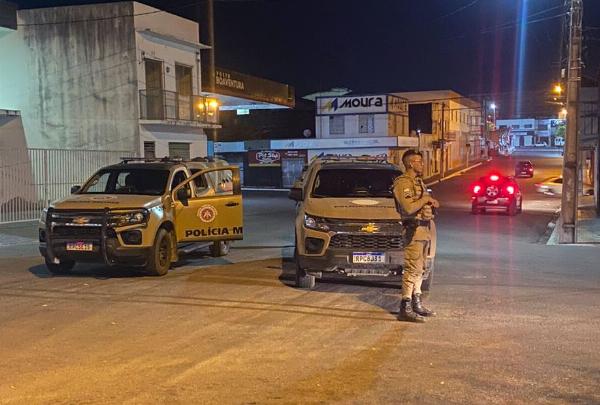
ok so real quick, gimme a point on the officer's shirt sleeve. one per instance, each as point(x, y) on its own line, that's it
point(409, 203)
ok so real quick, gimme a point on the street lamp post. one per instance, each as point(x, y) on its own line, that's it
point(493, 107)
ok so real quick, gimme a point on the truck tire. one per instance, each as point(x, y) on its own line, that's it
point(220, 248)
point(64, 267)
point(427, 282)
point(303, 280)
point(159, 261)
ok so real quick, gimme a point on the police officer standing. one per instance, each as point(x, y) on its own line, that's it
point(415, 205)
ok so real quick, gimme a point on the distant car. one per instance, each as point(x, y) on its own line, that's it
point(540, 144)
point(496, 192)
point(553, 186)
point(524, 168)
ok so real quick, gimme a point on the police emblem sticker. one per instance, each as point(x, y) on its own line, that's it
point(207, 213)
point(365, 202)
point(407, 193)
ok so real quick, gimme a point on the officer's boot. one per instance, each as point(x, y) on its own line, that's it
point(407, 313)
point(418, 307)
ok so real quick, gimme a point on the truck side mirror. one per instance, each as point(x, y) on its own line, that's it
point(296, 194)
point(182, 195)
point(75, 189)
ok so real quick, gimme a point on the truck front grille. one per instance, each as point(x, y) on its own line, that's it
point(367, 242)
point(77, 232)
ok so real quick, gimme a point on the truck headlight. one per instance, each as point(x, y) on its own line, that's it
point(127, 218)
point(315, 223)
point(44, 215)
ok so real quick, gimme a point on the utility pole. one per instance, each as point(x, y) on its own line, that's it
point(485, 128)
point(571, 155)
point(442, 144)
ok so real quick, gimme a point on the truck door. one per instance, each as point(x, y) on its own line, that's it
point(208, 215)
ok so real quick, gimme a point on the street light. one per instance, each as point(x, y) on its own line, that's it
point(557, 89)
point(493, 107)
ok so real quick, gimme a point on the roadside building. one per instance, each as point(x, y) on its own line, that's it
point(526, 132)
point(374, 125)
point(589, 141)
point(449, 127)
point(118, 76)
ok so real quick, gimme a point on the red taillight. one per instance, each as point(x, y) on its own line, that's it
point(494, 177)
point(476, 189)
point(510, 189)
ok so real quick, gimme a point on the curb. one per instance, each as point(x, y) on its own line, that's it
point(458, 173)
point(552, 229)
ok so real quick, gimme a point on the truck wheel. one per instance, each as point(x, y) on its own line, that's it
point(64, 267)
point(474, 210)
point(303, 280)
point(220, 248)
point(160, 255)
point(426, 285)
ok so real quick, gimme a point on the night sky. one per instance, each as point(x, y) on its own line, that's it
point(470, 46)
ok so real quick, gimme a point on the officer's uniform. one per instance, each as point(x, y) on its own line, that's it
point(416, 219)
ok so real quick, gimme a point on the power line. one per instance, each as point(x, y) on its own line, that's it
point(456, 11)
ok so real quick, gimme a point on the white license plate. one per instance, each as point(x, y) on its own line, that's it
point(492, 202)
point(368, 257)
point(80, 246)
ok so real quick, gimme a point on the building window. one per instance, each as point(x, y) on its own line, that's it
point(515, 126)
point(183, 83)
point(366, 124)
point(154, 89)
point(528, 126)
point(150, 150)
point(336, 124)
point(179, 150)
point(542, 127)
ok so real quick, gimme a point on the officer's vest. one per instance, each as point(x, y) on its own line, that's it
point(418, 189)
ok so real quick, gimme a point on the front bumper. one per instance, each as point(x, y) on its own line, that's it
point(333, 251)
point(341, 261)
point(107, 248)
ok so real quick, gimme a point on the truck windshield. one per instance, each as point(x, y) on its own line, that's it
point(127, 181)
point(344, 183)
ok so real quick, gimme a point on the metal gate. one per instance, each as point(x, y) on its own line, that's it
point(291, 169)
point(32, 178)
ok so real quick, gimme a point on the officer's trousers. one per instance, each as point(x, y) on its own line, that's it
point(415, 254)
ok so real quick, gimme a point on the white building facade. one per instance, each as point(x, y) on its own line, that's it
point(117, 76)
point(525, 132)
point(353, 119)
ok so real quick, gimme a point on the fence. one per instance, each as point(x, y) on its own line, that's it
point(32, 178)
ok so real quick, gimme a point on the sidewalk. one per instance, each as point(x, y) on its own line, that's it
point(588, 224)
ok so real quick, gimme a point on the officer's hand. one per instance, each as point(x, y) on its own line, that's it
point(434, 202)
point(426, 212)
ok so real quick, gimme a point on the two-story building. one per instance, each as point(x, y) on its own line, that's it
point(449, 127)
point(116, 76)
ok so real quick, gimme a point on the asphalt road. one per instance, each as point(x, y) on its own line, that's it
point(517, 321)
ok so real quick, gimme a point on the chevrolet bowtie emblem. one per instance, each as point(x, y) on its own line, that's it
point(81, 220)
point(370, 228)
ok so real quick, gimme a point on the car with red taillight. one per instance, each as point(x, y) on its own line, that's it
point(496, 192)
point(524, 168)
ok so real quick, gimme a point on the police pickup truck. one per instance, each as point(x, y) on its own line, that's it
point(347, 223)
point(139, 212)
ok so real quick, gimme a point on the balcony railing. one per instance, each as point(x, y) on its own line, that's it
point(162, 105)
